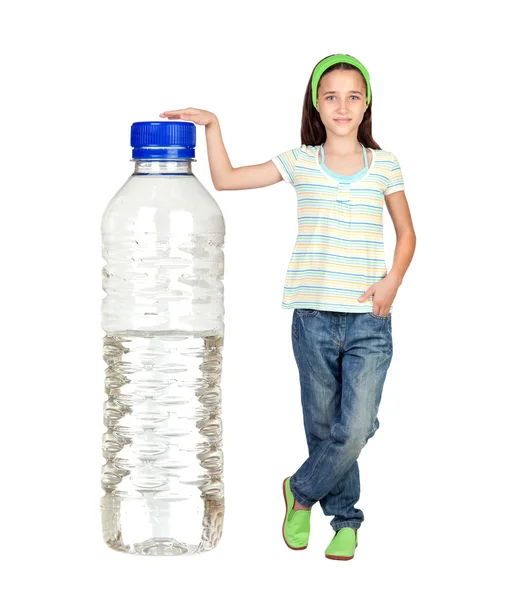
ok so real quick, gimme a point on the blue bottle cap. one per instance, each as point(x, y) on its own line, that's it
point(155, 140)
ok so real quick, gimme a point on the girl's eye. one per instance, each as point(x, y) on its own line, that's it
point(334, 97)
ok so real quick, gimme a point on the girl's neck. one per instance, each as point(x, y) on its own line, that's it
point(341, 148)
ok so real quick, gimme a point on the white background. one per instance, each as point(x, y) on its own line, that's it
point(75, 77)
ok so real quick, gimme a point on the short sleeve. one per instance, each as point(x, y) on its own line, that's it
point(286, 163)
point(396, 181)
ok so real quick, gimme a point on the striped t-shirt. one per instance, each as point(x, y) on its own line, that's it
point(339, 249)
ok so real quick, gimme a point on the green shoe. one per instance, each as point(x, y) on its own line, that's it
point(296, 526)
point(343, 544)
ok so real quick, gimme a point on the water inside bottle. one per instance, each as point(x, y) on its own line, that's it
point(162, 480)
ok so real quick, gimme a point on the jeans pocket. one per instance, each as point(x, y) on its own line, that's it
point(385, 317)
point(306, 312)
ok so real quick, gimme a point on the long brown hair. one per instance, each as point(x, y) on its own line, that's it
point(313, 132)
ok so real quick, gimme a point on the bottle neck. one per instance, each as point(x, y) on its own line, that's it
point(162, 167)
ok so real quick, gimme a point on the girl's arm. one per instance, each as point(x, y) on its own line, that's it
point(224, 175)
point(227, 177)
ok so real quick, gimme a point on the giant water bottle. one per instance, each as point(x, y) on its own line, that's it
point(163, 314)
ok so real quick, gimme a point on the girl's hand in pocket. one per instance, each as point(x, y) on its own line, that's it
point(200, 117)
point(384, 292)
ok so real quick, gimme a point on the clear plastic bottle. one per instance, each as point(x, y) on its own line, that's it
point(163, 314)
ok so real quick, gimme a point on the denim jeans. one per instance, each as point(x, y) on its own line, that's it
point(342, 360)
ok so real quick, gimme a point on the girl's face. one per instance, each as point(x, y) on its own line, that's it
point(341, 95)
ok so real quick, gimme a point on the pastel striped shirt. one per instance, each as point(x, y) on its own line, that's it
point(339, 249)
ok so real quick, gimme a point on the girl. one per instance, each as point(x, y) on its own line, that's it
point(337, 284)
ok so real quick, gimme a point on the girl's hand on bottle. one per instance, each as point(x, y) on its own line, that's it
point(200, 117)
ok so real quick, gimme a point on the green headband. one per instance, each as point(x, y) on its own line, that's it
point(332, 60)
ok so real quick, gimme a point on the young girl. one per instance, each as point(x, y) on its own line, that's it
point(337, 283)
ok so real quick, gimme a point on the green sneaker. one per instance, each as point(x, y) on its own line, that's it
point(343, 544)
point(296, 526)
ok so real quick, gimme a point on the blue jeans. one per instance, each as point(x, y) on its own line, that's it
point(342, 360)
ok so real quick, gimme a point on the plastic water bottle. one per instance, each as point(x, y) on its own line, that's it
point(163, 314)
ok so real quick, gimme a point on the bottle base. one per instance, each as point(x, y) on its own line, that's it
point(151, 527)
point(158, 547)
